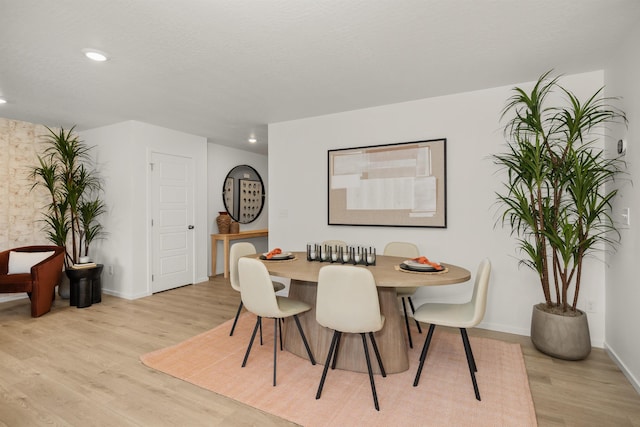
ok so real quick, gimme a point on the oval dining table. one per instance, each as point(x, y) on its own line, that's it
point(390, 339)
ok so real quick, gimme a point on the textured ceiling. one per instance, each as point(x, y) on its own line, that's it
point(224, 69)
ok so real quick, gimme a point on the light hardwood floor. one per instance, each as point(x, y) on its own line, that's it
point(81, 367)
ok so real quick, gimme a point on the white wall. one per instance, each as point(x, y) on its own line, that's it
point(623, 289)
point(470, 122)
point(124, 151)
point(221, 160)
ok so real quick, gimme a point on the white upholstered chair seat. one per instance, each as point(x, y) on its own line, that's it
point(406, 292)
point(288, 307)
point(237, 251)
point(258, 296)
point(461, 316)
point(452, 315)
point(347, 302)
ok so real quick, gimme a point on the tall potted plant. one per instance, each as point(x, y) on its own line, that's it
point(556, 202)
point(72, 215)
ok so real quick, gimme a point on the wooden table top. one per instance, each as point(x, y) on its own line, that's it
point(264, 232)
point(384, 272)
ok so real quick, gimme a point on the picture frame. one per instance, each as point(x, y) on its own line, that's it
point(251, 200)
point(398, 184)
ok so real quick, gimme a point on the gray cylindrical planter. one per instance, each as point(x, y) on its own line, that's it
point(64, 288)
point(564, 337)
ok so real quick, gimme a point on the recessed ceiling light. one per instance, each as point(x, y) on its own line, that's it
point(3, 101)
point(95, 55)
point(253, 140)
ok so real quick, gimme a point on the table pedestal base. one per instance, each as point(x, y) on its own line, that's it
point(391, 339)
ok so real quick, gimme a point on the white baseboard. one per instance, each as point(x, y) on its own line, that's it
point(13, 297)
point(627, 373)
point(125, 296)
point(201, 280)
point(504, 328)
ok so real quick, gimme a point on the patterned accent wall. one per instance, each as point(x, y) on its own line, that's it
point(20, 207)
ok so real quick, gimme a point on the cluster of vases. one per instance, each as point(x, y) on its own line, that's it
point(226, 225)
point(341, 254)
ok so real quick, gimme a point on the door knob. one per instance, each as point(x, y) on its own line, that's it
point(191, 227)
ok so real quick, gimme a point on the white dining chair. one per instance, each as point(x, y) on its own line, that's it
point(409, 251)
point(462, 316)
point(237, 251)
point(335, 243)
point(347, 302)
point(258, 296)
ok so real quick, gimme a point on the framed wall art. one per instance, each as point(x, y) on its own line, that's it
point(251, 200)
point(402, 184)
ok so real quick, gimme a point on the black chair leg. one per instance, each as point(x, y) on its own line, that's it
point(304, 339)
point(413, 310)
point(375, 350)
point(260, 322)
point(423, 355)
point(406, 321)
point(473, 360)
point(332, 348)
point(236, 319)
point(280, 327)
point(470, 361)
point(253, 336)
point(335, 353)
point(371, 380)
point(275, 348)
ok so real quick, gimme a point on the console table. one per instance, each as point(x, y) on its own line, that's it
point(226, 238)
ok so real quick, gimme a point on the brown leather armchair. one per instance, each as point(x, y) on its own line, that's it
point(40, 284)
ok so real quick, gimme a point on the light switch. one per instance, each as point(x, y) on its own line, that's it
point(626, 216)
point(622, 147)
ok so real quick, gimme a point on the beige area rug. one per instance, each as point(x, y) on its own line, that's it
point(444, 396)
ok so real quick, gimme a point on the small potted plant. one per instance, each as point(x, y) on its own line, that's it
point(72, 215)
point(556, 202)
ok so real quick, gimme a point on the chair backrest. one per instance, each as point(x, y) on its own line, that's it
point(238, 250)
point(334, 243)
point(58, 251)
point(256, 288)
point(480, 291)
point(403, 249)
point(347, 299)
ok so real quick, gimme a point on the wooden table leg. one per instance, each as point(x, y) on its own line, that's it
point(214, 255)
point(226, 258)
point(391, 341)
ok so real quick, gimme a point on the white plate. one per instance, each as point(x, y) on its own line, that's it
point(417, 266)
point(283, 255)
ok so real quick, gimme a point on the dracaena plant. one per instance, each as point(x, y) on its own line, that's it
point(72, 215)
point(555, 199)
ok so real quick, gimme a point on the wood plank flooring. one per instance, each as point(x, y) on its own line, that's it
point(80, 367)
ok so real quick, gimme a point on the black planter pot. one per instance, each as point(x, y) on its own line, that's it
point(85, 286)
point(96, 284)
point(64, 288)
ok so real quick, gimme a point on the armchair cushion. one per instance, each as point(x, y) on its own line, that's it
point(21, 262)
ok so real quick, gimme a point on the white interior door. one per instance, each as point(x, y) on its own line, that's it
point(172, 181)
